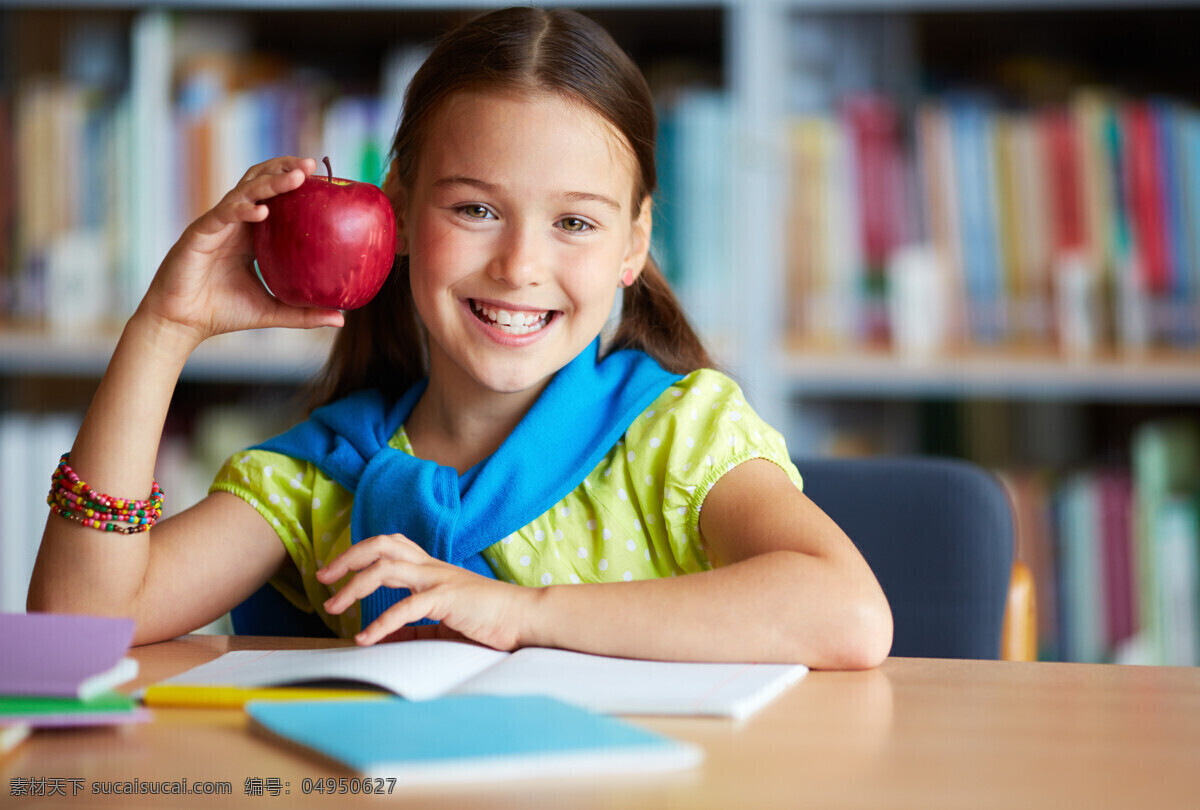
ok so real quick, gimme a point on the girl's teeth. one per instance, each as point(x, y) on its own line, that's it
point(513, 323)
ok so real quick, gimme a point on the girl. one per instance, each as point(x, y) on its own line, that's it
point(478, 461)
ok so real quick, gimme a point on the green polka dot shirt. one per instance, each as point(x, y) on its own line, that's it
point(635, 516)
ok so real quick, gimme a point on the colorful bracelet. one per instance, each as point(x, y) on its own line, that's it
point(71, 498)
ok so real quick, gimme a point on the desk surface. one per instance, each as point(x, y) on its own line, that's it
point(917, 733)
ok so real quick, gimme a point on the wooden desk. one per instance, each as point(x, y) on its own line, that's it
point(915, 733)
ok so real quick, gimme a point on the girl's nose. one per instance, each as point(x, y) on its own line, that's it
point(521, 260)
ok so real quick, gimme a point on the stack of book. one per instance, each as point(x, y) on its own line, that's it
point(61, 670)
point(1069, 226)
point(1115, 552)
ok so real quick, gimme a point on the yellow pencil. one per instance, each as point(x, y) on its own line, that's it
point(234, 697)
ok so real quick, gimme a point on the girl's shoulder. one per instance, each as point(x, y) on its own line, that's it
point(704, 421)
point(693, 407)
point(707, 384)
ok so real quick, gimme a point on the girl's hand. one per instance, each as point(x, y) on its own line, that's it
point(481, 609)
point(206, 285)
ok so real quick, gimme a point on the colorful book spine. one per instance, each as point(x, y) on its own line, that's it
point(1115, 492)
point(1178, 328)
point(1188, 124)
point(1008, 225)
point(1177, 547)
point(971, 137)
point(1145, 195)
point(872, 124)
point(1064, 188)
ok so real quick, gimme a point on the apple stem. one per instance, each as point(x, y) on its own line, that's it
point(328, 168)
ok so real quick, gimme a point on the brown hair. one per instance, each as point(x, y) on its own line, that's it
point(519, 49)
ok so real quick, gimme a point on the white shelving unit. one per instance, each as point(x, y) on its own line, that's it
point(265, 356)
point(884, 376)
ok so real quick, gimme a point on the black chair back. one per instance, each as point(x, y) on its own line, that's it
point(939, 535)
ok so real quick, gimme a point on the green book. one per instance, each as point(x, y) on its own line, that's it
point(106, 708)
point(1166, 467)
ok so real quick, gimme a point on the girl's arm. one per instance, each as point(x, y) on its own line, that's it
point(788, 586)
point(191, 568)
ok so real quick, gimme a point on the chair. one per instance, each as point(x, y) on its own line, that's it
point(940, 536)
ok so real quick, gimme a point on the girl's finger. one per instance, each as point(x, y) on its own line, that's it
point(382, 574)
point(290, 317)
point(363, 554)
point(411, 609)
point(280, 165)
point(244, 202)
point(361, 585)
point(265, 186)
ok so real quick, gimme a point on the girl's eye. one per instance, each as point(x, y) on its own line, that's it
point(475, 211)
point(575, 225)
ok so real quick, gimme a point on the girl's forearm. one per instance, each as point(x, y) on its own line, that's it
point(773, 607)
point(80, 569)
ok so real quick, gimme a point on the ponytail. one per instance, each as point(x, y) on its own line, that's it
point(653, 321)
point(380, 346)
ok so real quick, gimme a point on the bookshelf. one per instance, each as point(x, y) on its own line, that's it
point(1045, 324)
point(733, 77)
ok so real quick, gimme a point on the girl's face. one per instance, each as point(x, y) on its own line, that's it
point(519, 228)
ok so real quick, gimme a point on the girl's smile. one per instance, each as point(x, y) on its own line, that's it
point(511, 321)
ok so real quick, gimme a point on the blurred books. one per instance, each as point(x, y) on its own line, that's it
point(1070, 227)
point(60, 670)
point(113, 161)
point(1116, 553)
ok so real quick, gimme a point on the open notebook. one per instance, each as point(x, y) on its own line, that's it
point(420, 670)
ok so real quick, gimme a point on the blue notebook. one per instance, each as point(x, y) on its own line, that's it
point(470, 738)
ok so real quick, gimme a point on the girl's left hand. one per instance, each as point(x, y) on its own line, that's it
point(481, 609)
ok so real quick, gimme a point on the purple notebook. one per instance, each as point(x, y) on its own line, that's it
point(61, 655)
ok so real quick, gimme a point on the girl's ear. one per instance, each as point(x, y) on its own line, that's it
point(639, 244)
point(395, 192)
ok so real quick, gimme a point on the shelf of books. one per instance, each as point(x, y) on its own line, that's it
point(1027, 205)
point(963, 224)
point(1114, 551)
point(125, 127)
point(976, 222)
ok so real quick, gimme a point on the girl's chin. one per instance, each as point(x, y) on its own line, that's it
point(513, 384)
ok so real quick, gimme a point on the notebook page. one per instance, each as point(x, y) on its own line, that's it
point(628, 686)
point(417, 670)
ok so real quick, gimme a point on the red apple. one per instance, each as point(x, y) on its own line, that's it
point(329, 243)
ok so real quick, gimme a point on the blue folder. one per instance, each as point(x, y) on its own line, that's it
point(471, 738)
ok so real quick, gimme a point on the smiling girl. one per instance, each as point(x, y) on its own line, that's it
point(481, 464)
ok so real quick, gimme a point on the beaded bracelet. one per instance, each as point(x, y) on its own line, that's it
point(73, 499)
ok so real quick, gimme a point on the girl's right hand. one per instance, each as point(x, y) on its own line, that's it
point(206, 285)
